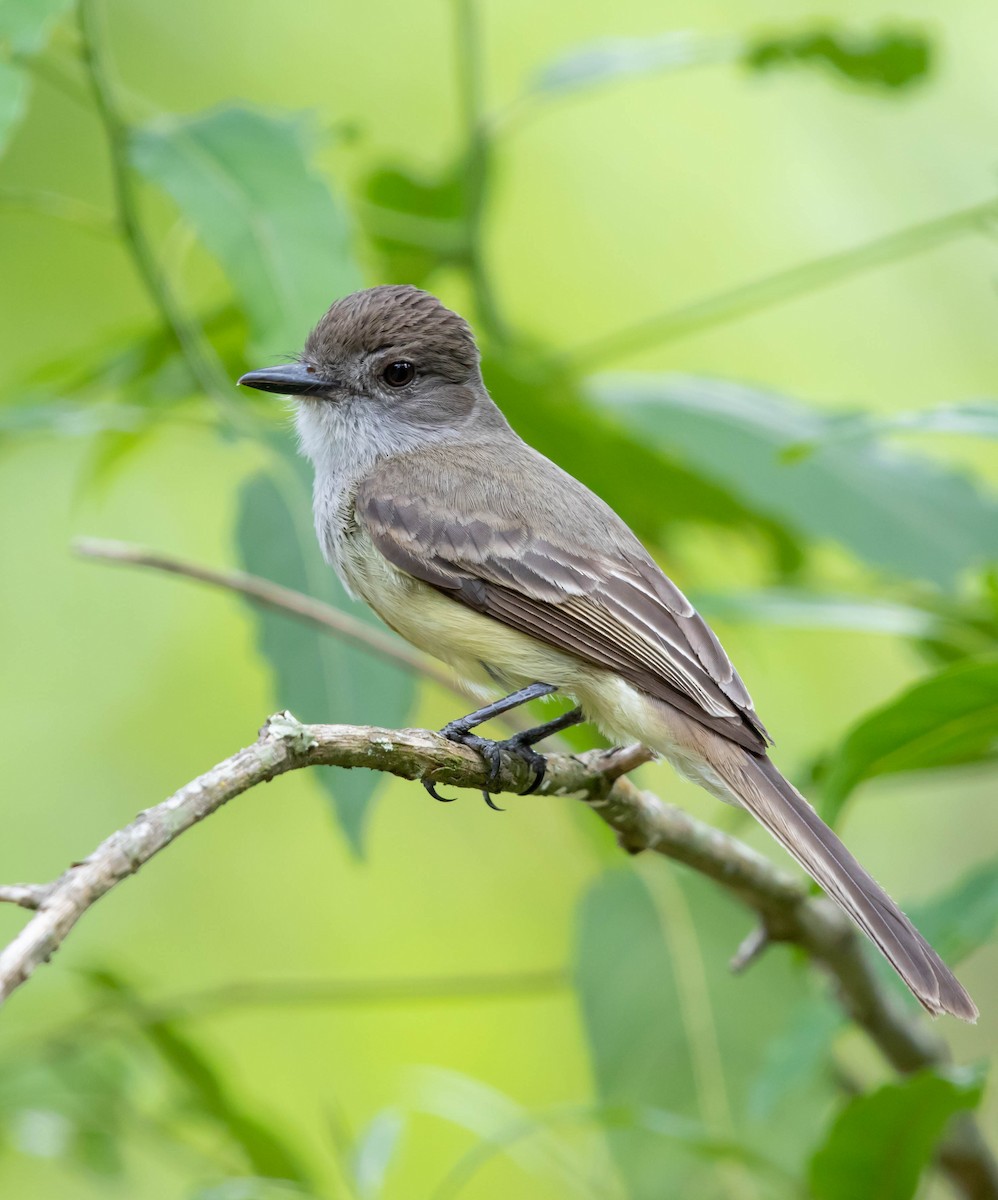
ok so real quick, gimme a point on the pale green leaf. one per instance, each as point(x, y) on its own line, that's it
point(964, 917)
point(376, 1147)
point(974, 419)
point(612, 59)
point(795, 608)
point(897, 511)
point(25, 25)
point(13, 100)
point(794, 1056)
point(243, 180)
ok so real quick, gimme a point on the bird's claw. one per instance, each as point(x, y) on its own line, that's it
point(432, 789)
point(491, 752)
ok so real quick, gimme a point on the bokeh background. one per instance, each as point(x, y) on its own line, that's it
point(732, 264)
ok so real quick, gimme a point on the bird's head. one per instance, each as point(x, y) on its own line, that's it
point(392, 354)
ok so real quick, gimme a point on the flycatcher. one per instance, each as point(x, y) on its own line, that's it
point(479, 550)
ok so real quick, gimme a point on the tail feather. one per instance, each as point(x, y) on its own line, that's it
point(777, 805)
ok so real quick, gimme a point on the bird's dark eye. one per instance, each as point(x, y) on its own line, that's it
point(398, 374)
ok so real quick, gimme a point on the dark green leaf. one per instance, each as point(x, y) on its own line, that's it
point(895, 510)
point(416, 223)
point(947, 720)
point(881, 1142)
point(892, 58)
point(242, 179)
point(963, 918)
point(318, 677)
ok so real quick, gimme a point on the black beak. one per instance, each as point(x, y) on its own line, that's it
point(294, 379)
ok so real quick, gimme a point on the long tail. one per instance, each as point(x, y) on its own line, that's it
point(777, 804)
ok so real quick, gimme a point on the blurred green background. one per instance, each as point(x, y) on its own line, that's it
point(734, 266)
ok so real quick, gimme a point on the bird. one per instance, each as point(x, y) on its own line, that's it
point(478, 549)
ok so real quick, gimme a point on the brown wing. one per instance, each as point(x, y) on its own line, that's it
point(585, 585)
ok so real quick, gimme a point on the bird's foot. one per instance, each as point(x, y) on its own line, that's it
point(521, 745)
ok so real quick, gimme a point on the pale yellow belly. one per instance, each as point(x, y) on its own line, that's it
point(479, 648)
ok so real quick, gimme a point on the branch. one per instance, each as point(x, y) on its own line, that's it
point(770, 290)
point(200, 359)
point(641, 820)
point(273, 595)
point(477, 164)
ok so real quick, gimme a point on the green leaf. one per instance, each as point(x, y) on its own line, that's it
point(624, 983)
point(204, 1088)
point(318, 677)
point(662, 1013)
point(501, 1126)
point(892, 59)
point(72, 1104)
point(13, 100)
point(795, 1056)
point(691, 1134)
point(242, 179)
point(957, 922)
point(374, 1151)
point(897, 511)
point(973, 419)
point(416, 223)
point(612, 59)
point(795, 608)
point(629, 472)
point(252, 1188)
point(947, 720)
point(25, 25)
point(640, 1054)
point(963, 918)
point(880, 1143)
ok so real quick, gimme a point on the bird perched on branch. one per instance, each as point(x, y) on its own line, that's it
point(481, 551)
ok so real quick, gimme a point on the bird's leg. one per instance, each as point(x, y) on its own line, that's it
point(521, 744)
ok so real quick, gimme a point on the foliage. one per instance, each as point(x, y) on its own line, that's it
point(880, 1143)
point(691, 1082)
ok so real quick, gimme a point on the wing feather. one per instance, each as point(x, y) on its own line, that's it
point(608, 604)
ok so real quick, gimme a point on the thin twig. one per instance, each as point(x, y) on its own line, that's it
point(477, 163)
point(759, 294)
point(27, 895)
point(274, 596)
point(204, 366)
point(346, 992)
point(63, 208)
point(642, 822)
